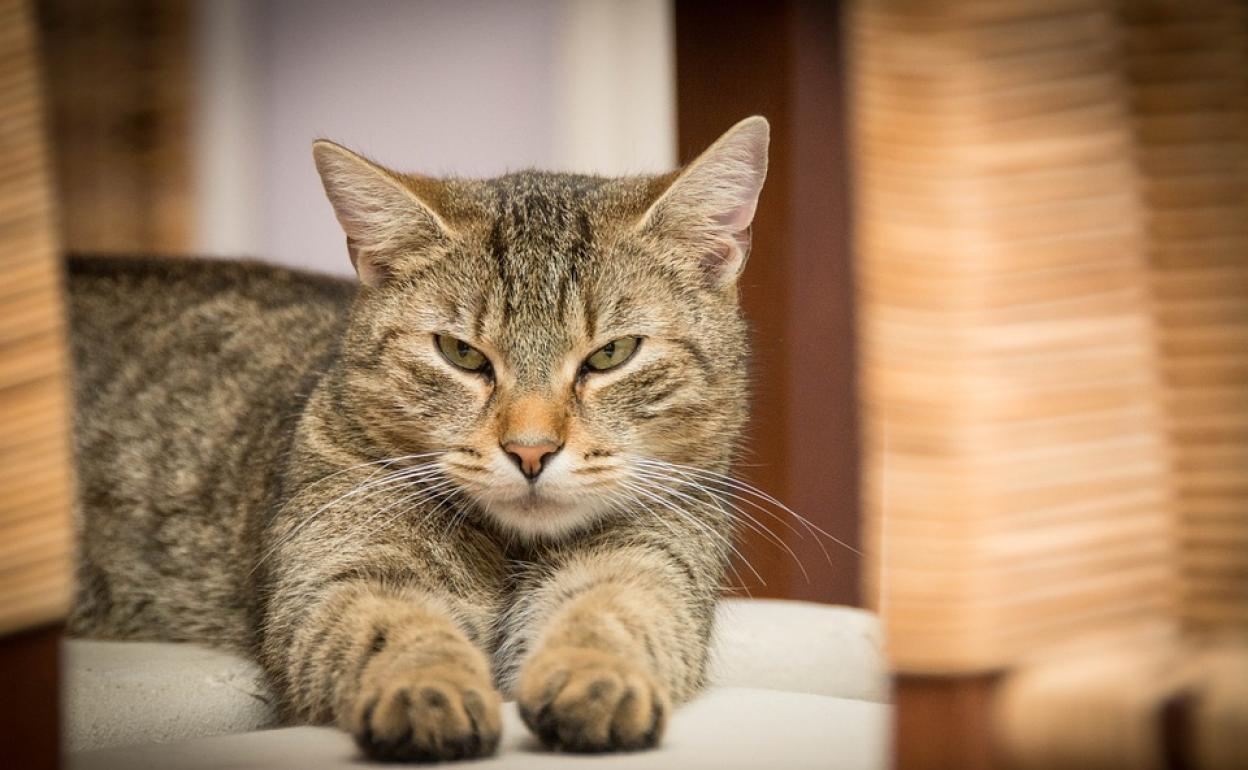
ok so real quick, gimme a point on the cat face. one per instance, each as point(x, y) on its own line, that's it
point(551, 335)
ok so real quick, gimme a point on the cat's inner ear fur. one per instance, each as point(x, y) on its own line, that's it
point(709, 206)
point(386, 217)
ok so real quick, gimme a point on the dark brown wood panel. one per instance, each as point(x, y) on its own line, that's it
point(942, 723)
point(29, 736)
point(782, 60)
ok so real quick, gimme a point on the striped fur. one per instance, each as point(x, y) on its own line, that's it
point(285, 464)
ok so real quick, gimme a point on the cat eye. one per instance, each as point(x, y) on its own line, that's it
point(612, 354)
point(461, 354)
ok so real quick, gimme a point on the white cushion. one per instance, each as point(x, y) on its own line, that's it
point(123, 693)
point(724, 728)
point(799, 647)
point(119, 693)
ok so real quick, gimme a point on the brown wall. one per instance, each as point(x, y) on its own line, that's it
point(782, 60)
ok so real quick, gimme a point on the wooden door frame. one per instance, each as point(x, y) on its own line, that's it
point(783, 60)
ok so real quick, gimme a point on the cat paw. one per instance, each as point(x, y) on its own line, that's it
point(427, 715)
point(589, 701)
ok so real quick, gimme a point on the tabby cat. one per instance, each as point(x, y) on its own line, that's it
point(474, 470)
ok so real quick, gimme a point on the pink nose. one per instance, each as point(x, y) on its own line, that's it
point(529, 458)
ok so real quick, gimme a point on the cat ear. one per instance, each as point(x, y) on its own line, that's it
point(709, 206)
point(382, 213)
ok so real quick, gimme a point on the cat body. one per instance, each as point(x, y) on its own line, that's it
point(482, 467)
point(189, 379)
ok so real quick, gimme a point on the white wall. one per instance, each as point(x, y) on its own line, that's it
point(472, 88)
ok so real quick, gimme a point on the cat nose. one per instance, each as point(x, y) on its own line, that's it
point(530, 458)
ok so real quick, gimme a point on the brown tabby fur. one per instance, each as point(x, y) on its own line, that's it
point(229, 412)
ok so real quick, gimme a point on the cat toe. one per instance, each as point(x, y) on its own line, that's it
point(588, 701)
point(430, 717)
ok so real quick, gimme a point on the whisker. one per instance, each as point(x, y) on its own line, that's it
point(754, 524)
point(694, 482)
point(711, 494)
point(458, 517)
point(466, 467)
point(688, 518)
point(640, 504)
point(384, 462)
point(413, 474)
point(735, 572)
point(752, 490)
point(409, 503)
point(720, 495)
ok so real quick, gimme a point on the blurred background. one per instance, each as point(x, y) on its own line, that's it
point(183, 127)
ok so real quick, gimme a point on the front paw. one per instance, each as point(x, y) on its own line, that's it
point(586, 700)
point(426, 714)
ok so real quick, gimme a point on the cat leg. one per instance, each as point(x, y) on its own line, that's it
point(615, 637)
point(391, 666)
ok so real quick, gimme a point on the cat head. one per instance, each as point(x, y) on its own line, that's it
point(552, 336)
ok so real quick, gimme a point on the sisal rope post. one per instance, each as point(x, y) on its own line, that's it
point(36, 479)
point(1052, 233)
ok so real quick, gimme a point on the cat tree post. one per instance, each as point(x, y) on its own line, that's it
point(1188, 67)
point(1016, 465)
point(35, 471)
point(1052, 221)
